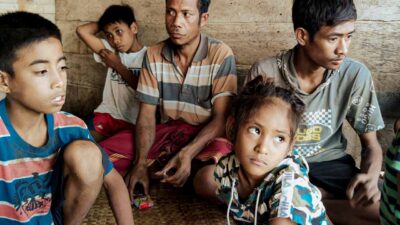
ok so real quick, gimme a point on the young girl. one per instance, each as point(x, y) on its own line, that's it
point(265, 181)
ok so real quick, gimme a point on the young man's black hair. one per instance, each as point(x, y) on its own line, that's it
point(313, 14)
point(19, 29)
point(117, 13)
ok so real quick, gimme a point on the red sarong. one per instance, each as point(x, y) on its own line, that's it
point(169, 139)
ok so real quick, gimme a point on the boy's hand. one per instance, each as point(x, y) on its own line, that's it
point(110, 58)
point(182, 164)
point(363, 190)
point(138, 174)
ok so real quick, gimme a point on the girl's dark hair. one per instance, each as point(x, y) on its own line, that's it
point(116, 13)
point(313, 14)
point(255, 94)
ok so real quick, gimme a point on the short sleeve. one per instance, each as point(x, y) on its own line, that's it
point(254, 71)
point(297, 199)
point(97, 57)
point(364, 113)
point(71, 128)
point(225, 81)
point(147, 90)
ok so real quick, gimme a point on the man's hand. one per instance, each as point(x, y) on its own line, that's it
point(110, 58)
point(140, 175)
point(182, 163)
point(363, 190)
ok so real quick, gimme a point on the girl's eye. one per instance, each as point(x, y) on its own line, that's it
point(119, 31)
point(170, 12)
point(108, 36)
point(279, 139)
point(254, 130)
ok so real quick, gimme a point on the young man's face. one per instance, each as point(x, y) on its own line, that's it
point(183, 21)
point(330, 45)
point(121, 36)
point(264, 140)
point(39, 81)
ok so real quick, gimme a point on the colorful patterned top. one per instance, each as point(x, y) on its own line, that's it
point(285, 192)
point(26, 171)
point(390, 200)
point(188, 97)
point(344, 94)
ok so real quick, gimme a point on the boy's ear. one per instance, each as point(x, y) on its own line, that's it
point(302, 36)
point(229, 128)
point(204, 19)
point(4, 81)
point(134, 27)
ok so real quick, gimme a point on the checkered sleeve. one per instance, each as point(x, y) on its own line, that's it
point(364, 113)
point(297, 199)
point(147, 90)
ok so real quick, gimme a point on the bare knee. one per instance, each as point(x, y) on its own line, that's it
point(204, 183)
point(83, 160)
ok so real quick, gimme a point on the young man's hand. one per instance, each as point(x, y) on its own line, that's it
point(110, 58)
point(182, 163)
point(363, 190)
point(136, 175)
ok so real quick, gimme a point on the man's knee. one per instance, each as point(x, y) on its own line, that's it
point(83, 159)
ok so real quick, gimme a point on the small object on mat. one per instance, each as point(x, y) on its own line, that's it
point(142, 202)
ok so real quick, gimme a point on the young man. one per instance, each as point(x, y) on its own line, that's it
point(334, 88)
point(50, 169)
point(123, 54)
point(191, 77)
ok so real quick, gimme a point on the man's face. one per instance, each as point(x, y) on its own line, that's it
point(39, 81)
point(183, 21)
point(120, 35)
point(330, 45)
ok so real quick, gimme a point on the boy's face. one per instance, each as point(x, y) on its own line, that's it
point(121, 36)
point(39, 81)
point(330, 45)
point(183, 21)
point(264, 140)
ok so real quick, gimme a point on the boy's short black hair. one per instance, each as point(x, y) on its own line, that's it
point(116, 13)
point(18, 30)
point(202, 5)
point(255, 94)
point(313, 14)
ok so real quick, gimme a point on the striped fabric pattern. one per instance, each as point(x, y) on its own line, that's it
point(188, 97)
point(26, 171)
point(390, 200)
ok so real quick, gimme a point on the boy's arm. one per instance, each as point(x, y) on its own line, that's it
point(363, 189)
point(112, 60)
point(87, 33)
point(118, 198)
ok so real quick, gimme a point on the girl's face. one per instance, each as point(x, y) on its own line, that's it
point(264, 140)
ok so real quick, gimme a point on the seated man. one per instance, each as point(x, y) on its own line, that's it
point(50, 170)
point(191, 77)
point(334, 88)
